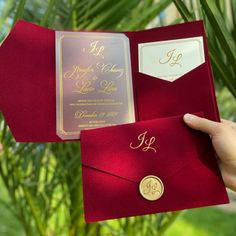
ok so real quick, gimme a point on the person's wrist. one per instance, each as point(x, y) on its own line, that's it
point(229, 175)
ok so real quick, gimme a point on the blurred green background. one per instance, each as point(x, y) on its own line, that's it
point(41, 183)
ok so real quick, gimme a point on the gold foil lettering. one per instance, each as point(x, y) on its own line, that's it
point(84, 114)
point(145, 143)
point(77, 72)
point(111, 114)
point(173, 58)
point(95, 49)
point(107, 87)
point(84, 87)
point(110, 68)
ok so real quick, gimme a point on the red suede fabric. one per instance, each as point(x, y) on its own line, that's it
point(111, 170)
point(192, 92)
point(27, 81)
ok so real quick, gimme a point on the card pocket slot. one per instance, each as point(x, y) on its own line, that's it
point(199, 70)
point(192, 92)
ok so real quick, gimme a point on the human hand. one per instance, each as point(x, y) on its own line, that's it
point(223, 136)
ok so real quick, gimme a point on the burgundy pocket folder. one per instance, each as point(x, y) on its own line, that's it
point(155, 165)
point(28, 87)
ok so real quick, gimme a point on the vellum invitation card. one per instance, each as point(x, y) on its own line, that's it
point(171, 59)
point(93, 81)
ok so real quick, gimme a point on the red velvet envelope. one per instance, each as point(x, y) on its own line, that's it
point(28, 91)
point(114, 164)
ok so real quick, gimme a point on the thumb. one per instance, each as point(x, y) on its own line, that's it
point(202, 124)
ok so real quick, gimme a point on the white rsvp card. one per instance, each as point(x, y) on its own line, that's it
point(171, 59)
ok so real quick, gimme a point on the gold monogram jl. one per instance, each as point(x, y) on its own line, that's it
point(145, 143)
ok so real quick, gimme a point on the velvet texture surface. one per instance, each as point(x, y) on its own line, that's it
point(184, 160)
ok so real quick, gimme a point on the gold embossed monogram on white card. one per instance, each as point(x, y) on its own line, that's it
point(169, 60)
point(93, 82)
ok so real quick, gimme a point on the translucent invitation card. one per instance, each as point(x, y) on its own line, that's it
point(93, 81)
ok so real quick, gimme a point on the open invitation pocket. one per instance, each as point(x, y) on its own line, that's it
point(111, 96)
point(191, 92)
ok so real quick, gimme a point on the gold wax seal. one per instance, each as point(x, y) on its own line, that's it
point(151, 187)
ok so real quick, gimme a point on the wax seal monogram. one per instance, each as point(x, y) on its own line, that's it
point(144, 143)
point(151, 187)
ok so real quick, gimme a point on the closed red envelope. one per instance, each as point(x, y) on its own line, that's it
point(28, 86)
point(115, 162)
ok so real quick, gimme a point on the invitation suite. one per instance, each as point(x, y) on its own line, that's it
point(125, 94)
point(94, 82)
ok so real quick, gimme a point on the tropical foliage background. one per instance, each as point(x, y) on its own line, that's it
point(41, 183)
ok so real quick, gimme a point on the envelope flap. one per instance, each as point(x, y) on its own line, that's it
point(117, 150)
point(27, 78)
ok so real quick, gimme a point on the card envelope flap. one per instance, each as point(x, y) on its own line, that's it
point(177, 146)
point(27, 82)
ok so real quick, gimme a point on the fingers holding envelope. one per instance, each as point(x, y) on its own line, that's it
point(202, 124)
point(223, 137)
